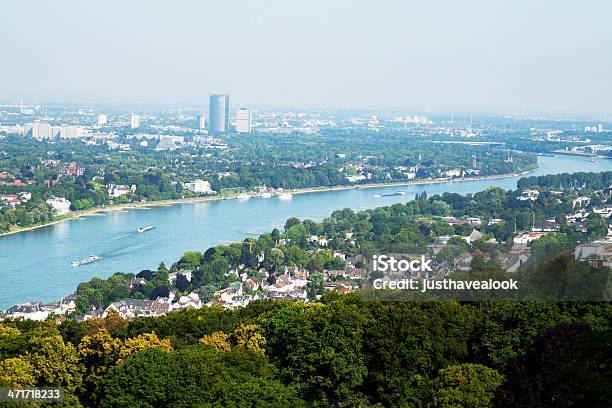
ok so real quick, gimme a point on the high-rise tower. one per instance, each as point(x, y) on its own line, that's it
point(218, 113)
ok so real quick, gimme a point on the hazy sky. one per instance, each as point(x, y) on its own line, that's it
point(427, 54)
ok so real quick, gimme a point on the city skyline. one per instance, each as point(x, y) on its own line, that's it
point(480, 56)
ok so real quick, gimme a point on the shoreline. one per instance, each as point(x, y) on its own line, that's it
point(75, 215)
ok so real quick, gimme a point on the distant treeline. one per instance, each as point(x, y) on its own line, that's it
point(593, 181)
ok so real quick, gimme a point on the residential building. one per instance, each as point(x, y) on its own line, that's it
point(73, 169)
point(530, 195)
point(199, 187)
point(598, 254)
point(134, 121)
point(102, 119)
point(202, 121)
point(169, 142)
point(60, 205)
point(131, 308)
point(28, 311)
point(243, 120)
point(118, 190)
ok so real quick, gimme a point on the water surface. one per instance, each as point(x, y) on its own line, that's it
point(35, 265)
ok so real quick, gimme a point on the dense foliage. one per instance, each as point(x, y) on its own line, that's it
point(342, 351)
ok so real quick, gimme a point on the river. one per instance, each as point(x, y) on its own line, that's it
point(35, 265)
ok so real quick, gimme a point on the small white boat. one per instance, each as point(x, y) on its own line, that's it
point(243, 197)
point(397, 193)
point(145, 229)
point(84, 261)
point(285, 196)
point(377, 195)
point(265, 195)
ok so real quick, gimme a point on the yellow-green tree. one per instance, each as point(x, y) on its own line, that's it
point(218, 340)
point(249, 338)
point(9, 331)
point(17, 372)
point(55, 362)
point(98, 352)
point(142, 342)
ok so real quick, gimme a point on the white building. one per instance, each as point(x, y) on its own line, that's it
point(356, 178)
point(202, 121)
point(243, 120)
point(38, 130)
point(60, 205)
point(117, 190)
point(169, 142)
point(452, 173)
point(29, 311)
point(598, 253)
point(70, 132)
point(102, 119)
point(191, 301)
point(135, 121)
point(530, 195)
point(199, 187)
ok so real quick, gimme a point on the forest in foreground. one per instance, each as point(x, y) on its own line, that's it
point(342, 351)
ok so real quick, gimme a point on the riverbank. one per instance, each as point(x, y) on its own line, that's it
point(582, 154)
point(164, 203)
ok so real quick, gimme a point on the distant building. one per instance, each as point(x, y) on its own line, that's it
point(28, 311)
point(243, 120)
point(74, 170)
point(70, 132)
point(60, 205)
point(202, 121)
point(355, 178)
point(118, 190)
point(131, 308)
point(218, 113)
point(199, 187)
point(38, 130)
point(135, 121)
point(102, 119)
point(169, 142)
point(529, 195)
point(598, 254)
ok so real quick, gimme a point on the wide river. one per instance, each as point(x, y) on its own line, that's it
point(35, 265)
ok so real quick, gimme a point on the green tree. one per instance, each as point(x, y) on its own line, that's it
point(466, 385)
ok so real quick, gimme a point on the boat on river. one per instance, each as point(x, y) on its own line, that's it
point(285, 196)
point(85, 261)
point(145, 229)
point(397, 193)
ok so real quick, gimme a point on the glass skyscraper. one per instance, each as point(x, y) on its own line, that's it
point(218, 113)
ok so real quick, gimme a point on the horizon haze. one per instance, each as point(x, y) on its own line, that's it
point(481, 55)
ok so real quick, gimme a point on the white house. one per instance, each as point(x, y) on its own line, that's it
point(117, 190)
point(60, 205)
point(28, 311)
point(199, 187)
